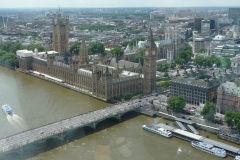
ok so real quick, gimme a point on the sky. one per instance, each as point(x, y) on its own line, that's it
point(114, 3)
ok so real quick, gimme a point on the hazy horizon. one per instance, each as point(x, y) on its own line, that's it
point(11, 4)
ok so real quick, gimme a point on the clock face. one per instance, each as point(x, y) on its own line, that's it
point(146, 53)
point(153, 53)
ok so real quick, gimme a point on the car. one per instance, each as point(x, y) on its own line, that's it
point(189, 118)
point(183, 117)
point(194, 107)
point(139, 101)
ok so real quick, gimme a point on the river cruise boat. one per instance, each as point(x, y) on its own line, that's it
point(237, 157)
point(159, 131)
point(209, 148)
point(7, 109)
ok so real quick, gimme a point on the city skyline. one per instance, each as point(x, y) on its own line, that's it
point(111, 3)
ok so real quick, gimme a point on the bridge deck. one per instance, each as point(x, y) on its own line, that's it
point(192, 129)
point(181, 126)
point(48, 130)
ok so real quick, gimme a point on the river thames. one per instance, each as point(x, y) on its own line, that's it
point(36, 102)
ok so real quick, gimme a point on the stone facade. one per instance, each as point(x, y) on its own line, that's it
point(149, 71)
point(235, 64)
point(102, 81)
point(60, 35)
point(228, 96)
point(200, 85)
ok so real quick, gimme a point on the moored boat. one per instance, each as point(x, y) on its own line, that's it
point(209, 148)
point(237, 157)
point(7, 109)
point(159, 131)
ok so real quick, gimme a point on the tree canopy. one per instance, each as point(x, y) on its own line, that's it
point(233, 119)
point(117, 52)
point(127, 96)
point(208, 61)
point(139, 56)
point(164, 84)
point(208, 111)
point(165, 74)
point(162, 67)
point(202, 50)
point(134, 41)
point(74, 46)
point(184, 56)
point(8, 59)
point(229, 118)
point(176, 104)
point(8, 52)
point(172, 65)
point(225, 62)
point(96, 48)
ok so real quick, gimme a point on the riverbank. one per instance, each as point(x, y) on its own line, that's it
point(65, 85)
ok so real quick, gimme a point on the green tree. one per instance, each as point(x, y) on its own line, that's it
point(211, 60)
point(202, 50)
point(176, 103)
point(165, 74)
point(225, 62)
point(139, 56)
point(127, 96)
point(199, 60)
point(180, 61)
point(208, 111)
point(229, 118)
point(173, 65)
point(162, 67)
point(74, 46)
point(238, 127)
point(117, 52)
point(33, 46)
point(184, 56)
point(134, 41)
point(164, 84)
point(9, 59)
point(96, 48)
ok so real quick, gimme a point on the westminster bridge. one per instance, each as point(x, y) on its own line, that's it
point(21, 142)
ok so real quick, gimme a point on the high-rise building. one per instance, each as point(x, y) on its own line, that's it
point(150, 64)
point(234, 14)
point(205, 26)
point(197, 23)
point(152, 15)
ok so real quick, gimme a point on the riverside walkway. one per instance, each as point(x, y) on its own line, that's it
point(20, 142)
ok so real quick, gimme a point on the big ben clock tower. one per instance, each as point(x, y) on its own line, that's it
point(150, 50)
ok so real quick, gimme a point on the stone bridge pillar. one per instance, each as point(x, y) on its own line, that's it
point(21, 152)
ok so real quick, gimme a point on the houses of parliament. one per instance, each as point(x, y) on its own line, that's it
point(101, 80)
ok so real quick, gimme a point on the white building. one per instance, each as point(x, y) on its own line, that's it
point(226, 50)
point(235, 64)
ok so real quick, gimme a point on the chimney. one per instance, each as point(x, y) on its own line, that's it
point(223, 79)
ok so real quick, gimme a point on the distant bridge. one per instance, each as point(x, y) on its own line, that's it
point(59, 130)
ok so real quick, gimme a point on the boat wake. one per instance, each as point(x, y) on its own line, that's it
point(16, 121)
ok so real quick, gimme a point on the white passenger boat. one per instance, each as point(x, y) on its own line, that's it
point(7, 109)
point(209, 148)
point(237, 157)
point(159, 131)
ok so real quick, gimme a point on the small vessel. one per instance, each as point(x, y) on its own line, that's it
point(159, 131)
point(7, 109)
point(237, 157)
point(209, 148)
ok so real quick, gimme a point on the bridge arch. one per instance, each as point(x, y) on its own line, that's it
point(78, 132)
